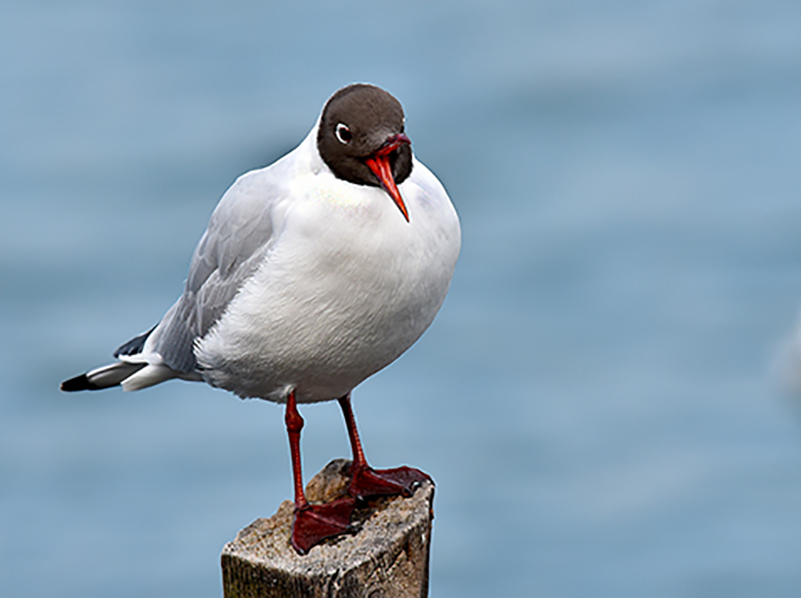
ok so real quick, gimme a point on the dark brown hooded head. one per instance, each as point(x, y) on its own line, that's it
point(361, 139)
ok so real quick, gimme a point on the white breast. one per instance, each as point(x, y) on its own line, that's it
point(347, 286)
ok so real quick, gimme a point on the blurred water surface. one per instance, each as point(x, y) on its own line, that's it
point(593, 400)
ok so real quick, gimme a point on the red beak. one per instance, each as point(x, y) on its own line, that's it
point(379, 164)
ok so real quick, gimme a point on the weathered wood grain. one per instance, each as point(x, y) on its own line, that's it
point(387, 558)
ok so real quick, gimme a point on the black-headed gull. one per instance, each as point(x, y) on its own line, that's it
point(314, 273)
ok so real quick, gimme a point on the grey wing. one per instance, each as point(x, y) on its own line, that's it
point(239, 235)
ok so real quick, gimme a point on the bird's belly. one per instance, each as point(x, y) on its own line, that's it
point(320, 323)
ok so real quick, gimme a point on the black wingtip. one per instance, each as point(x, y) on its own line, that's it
point(78, 383)
point(133, 346)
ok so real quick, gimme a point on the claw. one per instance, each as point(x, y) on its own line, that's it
point(367, 482)
point(315, 523)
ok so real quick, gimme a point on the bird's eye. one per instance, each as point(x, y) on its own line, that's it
point(343, 133)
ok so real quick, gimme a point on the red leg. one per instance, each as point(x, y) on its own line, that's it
point(313, 523)
point(367, 481)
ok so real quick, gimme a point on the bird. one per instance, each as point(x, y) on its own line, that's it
point(314, 273)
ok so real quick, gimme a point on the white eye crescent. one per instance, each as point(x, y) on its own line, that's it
point(343, 133)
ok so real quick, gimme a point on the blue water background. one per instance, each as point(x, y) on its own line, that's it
point(594, 400)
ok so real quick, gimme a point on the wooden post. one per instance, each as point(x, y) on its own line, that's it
point(387, 557)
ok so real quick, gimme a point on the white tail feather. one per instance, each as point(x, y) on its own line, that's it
point(150, 375)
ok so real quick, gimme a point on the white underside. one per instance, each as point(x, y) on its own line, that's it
point(346, 286)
